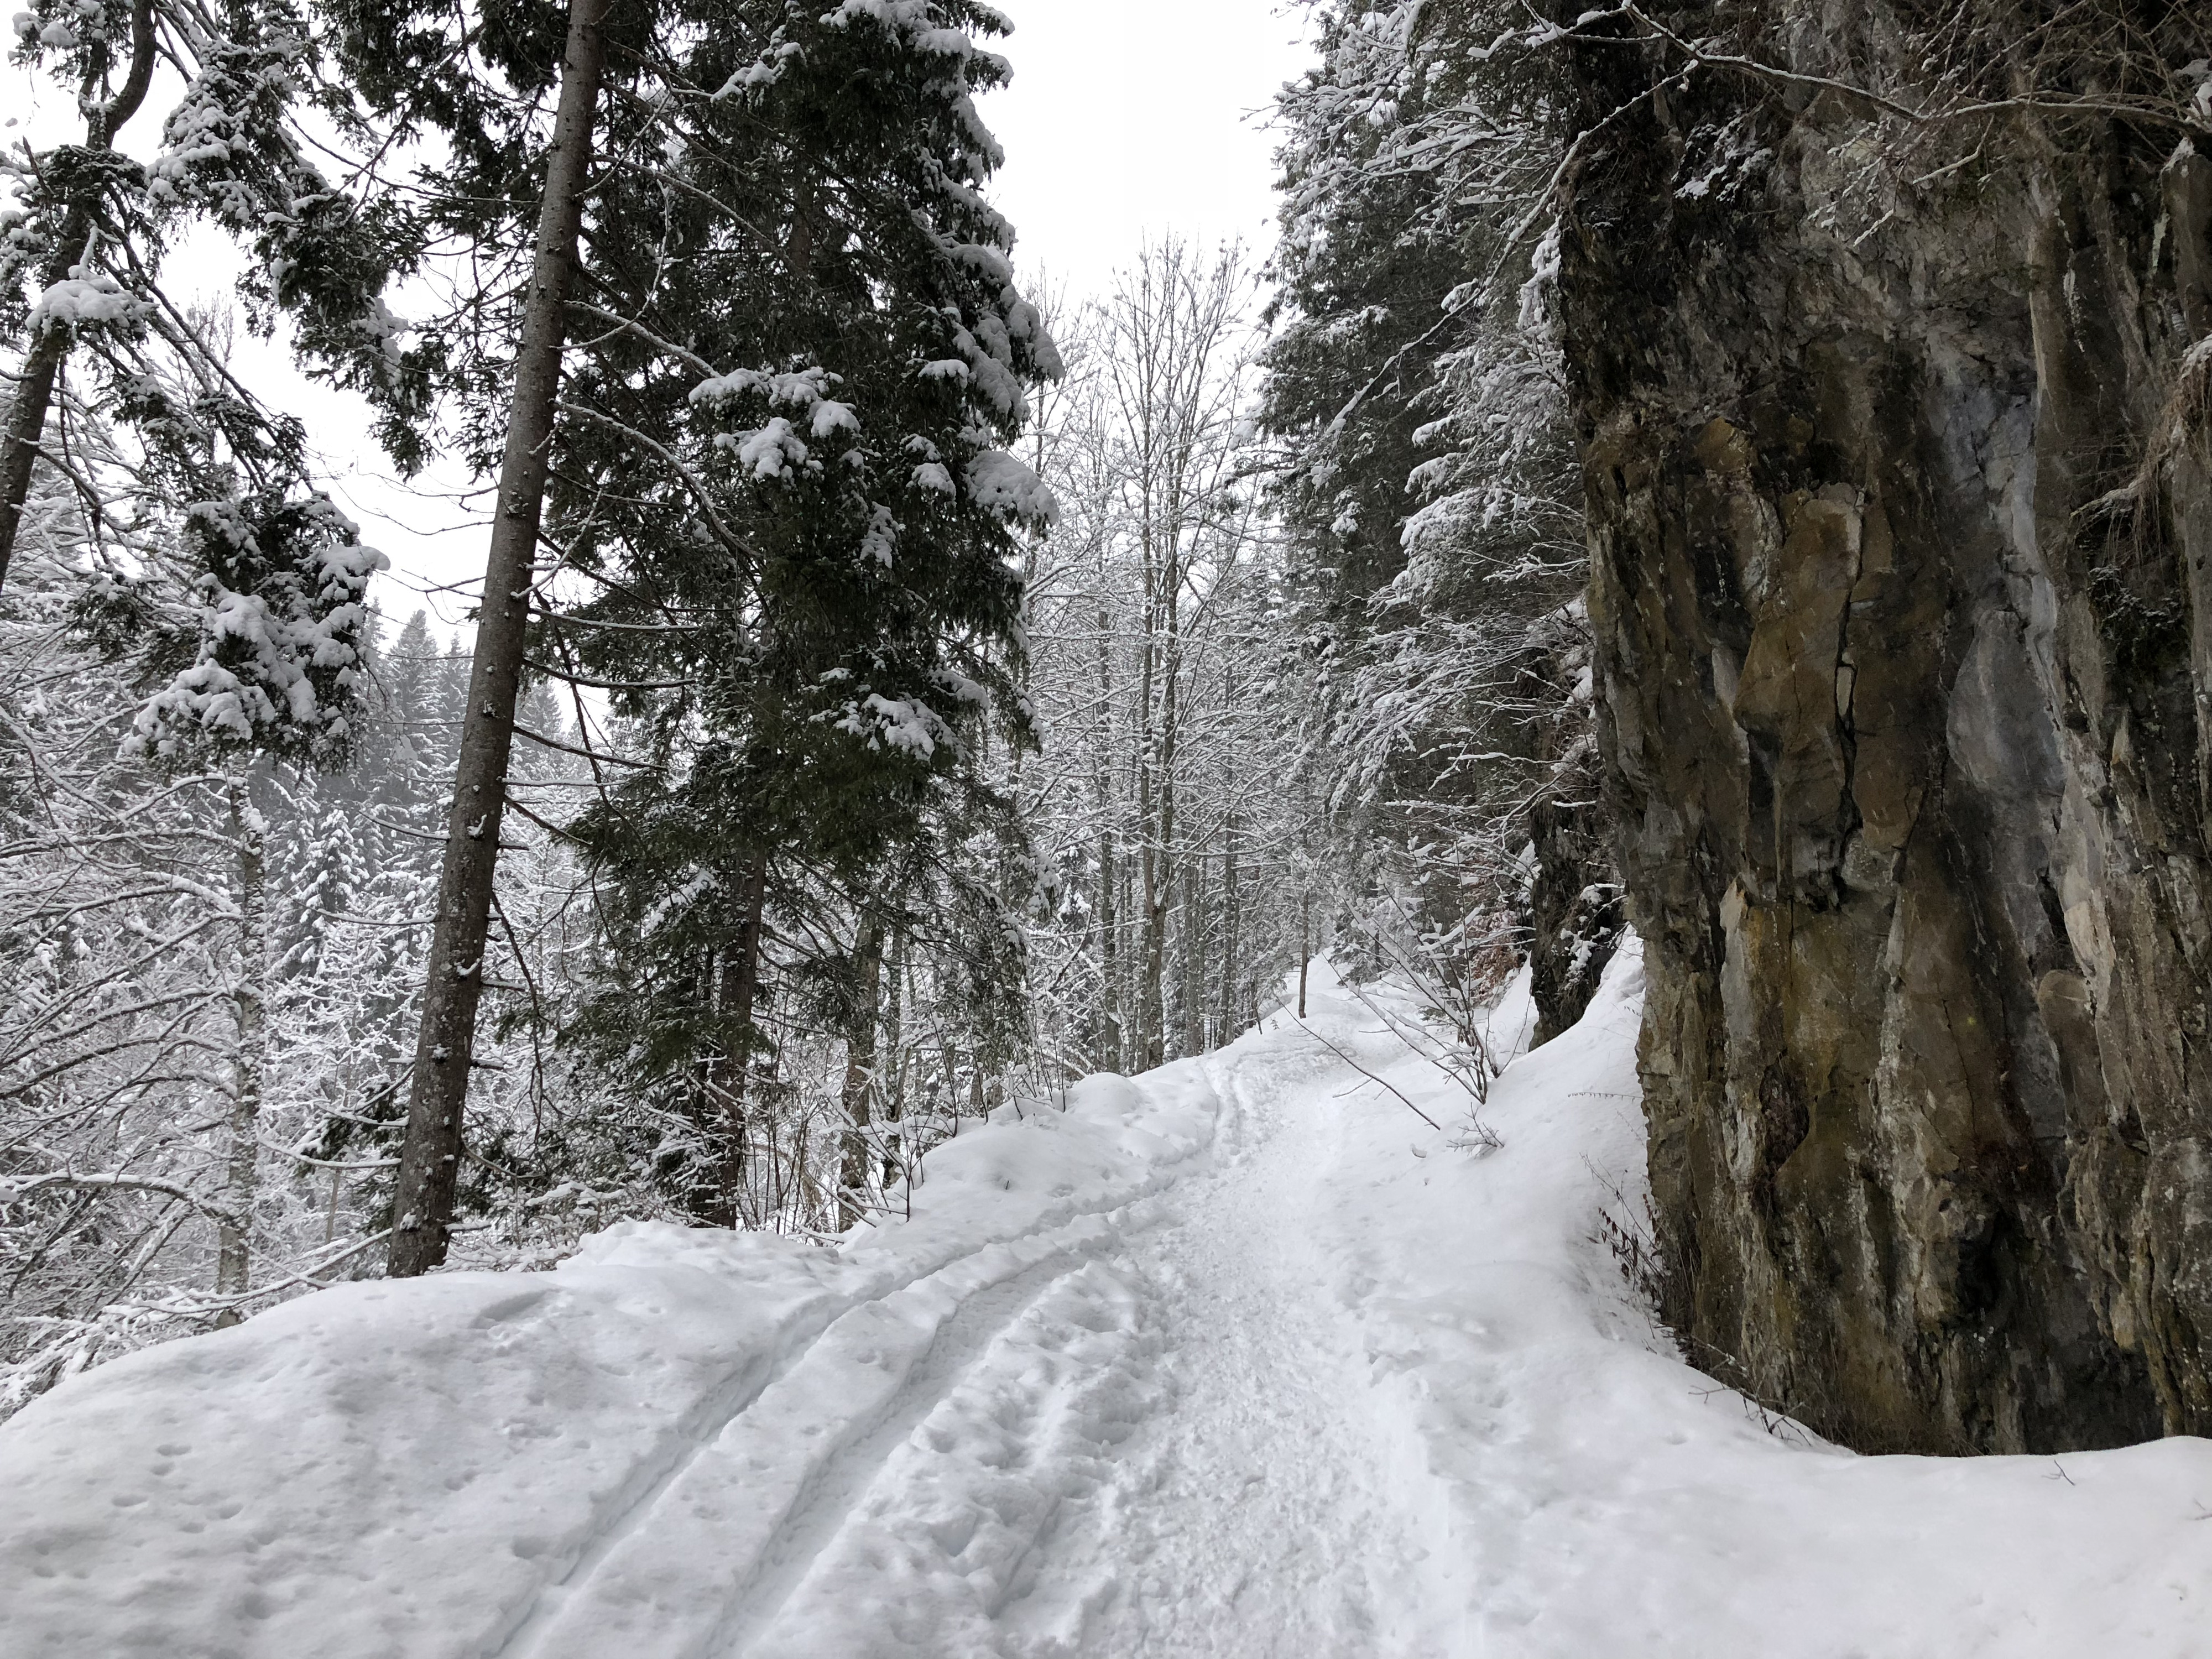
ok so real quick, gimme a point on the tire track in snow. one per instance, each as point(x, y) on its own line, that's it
point(534, 1631)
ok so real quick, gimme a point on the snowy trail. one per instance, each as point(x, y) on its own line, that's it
point(1236, 1359)
point(1135, 1432)
point(1256, 1518)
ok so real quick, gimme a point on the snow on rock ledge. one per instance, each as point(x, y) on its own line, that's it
point(1602, 1498)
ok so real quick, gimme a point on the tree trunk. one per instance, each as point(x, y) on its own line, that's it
point(429, 1162)
point(1305, 946)
point(1152, 1048)
point(860, 1073)
point(740, 1000)
point(949, 1057)
point(894, 1043)
point(1110, 955)
point(1112, 1033)
point(1158, 896)
point(34, 385)
point(1192, 990)
point(1159, 875)
point(702, 1191)
point(1131, 1024)
point(1152, 878)
point(1231, 921)
point(249, 1066)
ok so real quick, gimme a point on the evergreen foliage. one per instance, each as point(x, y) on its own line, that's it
point(910, 720)
point(91, 227)
point(1429, 486)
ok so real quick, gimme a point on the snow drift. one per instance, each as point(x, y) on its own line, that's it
point(1239, 1357)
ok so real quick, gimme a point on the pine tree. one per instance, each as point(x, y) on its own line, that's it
point(780, 474)
point(1432, 495)
point(430, 1163)
point(91, 227)
point(156, 699)
point(894, 634)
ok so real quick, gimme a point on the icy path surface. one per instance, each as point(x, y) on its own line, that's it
point(1239, 1358)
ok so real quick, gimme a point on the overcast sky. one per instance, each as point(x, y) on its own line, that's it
point(1133, 116)
point(1126, 118)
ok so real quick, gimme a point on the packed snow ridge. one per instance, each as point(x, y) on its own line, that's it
point(1238, 1358)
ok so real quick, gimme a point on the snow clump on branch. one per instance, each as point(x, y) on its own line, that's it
point(1006, 483)
point(279, 612)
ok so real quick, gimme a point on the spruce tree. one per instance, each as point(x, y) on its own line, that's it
point(812, 641)
point(793, 352)
point(90, 227)
point(1432, 496)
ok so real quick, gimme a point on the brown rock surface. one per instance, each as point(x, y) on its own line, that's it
point(1900, 496)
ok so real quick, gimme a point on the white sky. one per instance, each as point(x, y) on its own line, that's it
point(1130, 117)
point(1125, 120)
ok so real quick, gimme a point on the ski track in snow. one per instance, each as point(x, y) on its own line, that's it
point(1238, 1359)
point(960, 1436)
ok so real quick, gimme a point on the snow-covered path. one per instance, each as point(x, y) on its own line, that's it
point(1238, 1359)
point(1152, 1436)
point(1254, 1514)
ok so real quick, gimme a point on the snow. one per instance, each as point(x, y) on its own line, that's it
point(77, 302)
point(901, 723)
point(774, 451)
point(251, 674)
point(1236, 1358)
point(1004, 483)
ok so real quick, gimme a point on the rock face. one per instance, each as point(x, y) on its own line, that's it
point(1575, 903)
point(1900, 490)
point(1576, 912)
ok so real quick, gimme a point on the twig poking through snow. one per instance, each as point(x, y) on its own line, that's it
point(1479, 1136)
point(1364, 1072)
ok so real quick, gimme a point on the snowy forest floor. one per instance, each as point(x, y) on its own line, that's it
point(1237, 1358)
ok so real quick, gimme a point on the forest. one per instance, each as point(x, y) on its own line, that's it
point(1716, 496)
point(908, 693)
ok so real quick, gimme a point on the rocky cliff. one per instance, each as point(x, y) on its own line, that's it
point(1575, 907)
point(1895, 438)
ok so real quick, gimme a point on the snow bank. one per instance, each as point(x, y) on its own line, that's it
point(417, 1467)
point(1239, 1359)
point(1600, 1496)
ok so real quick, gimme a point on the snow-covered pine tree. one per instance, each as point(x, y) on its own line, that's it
point(252, 636)
point(155, 686)
point(91, 224)
point(814, 633)
point(779, 533)
point(1433, 500)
